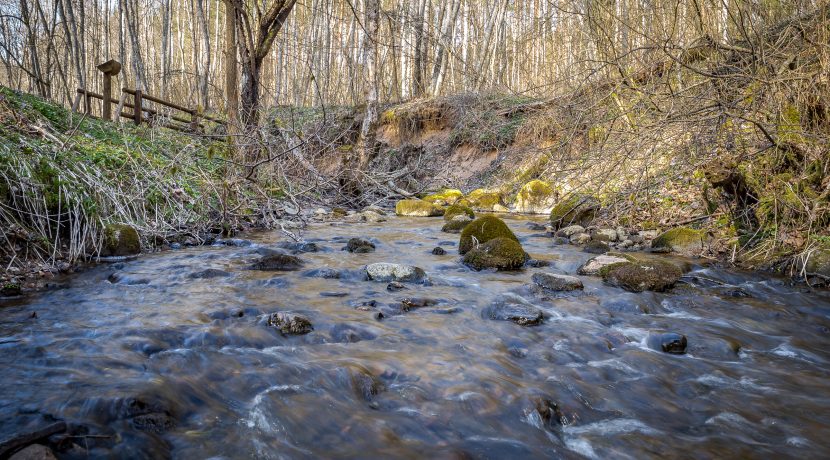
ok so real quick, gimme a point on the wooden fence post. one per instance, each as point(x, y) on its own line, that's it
point(137, 107)
point(110, 69)
point(87, 103)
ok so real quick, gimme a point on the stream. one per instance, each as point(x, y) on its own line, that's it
point(162, 357)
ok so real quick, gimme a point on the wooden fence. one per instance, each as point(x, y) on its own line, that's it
point(187, 120)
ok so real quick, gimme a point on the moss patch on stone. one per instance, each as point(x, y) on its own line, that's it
point(417, 208)
point(445, 196)
point(455, 226)
point(483, 230)
point(484, 200)
point(684, 240)
point(499, 253)
point(457, 210)
point(120, 240)
point(575, 209)
point(536, 196)
point(653, 275)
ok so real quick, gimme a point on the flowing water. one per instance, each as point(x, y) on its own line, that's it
point(155, 363)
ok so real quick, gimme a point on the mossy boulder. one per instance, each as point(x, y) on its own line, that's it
point(483, 230)
point(10, 290)
point(499, 253)
point(418, 208)
point(682, 240)
point(456, 225)
point(484, 200)
point(818, 263)
point(535, 197)
point(120, 240)
point(445, 196)
point(641, 275)
point(575, 209)
point(458, 210)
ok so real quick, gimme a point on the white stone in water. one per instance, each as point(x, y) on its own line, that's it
point(595, 264)
point(395, 272)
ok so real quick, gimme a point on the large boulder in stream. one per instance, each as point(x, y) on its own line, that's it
point(535, 197)
point(418, 208)
point(557, 282)
point(387, 272)
point(485, 200)
point(575, 209)
point(444, 197)
point(593, 266)
point(817, 263)
point(638, 276)
point(483, 230)
point(120, 240)
point(682, 240)
point(499, 253)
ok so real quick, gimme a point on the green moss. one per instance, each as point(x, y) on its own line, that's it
point(483, 230)
point(10, 289)
point(652, 275)
point(575, 209)
point(499, 253)
point(457, 210)
point(445, 196)
point(681, 239)
point(484, 199)
point(120, 240)
point(535, 196)
point(418, 208)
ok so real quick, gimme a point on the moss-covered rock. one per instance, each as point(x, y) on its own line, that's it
point(638, 276)
point(445, 196)
point(455, 225)
point(9, 290)
point(535, 197)
point(458, 210)
point(120, 240)
point(818, 263)
point(575, 209)
point(483, 230)
point(683, 240)
point(484, 200)
point(418, 208)
point(499, 253)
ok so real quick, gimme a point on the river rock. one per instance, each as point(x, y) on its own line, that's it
point(605, 234)
point(34, 452)
point(638, 276)
point(595, 264)
point(580, 238)
point(498, 253)
point(395, 272)
point(418, 208)
point(325, 273)
point(120, 240)
point(10, 290)
point(456, 224)
point(596, 247)
point(520, 313)
point(359, 246)
point(570, 230)
point(366, 216)
point(290, 323)
point(439, 251)
point(556, 282)
point(278, 262)
point(535, 197)
point(297, 247)
point(209, 273)
point(459, 210)
point(682, 240)
point(669, 342)
point(395, 286)
point(575, 209)
point(483, 230)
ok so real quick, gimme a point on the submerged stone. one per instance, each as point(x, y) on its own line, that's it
point(359, 246)
point(669, 342)
point(278, 262)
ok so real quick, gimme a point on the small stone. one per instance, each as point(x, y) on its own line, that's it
point(439, 251)
point(556, 282)
point(537, 263)
point(605, 234)
point(209, 273)
point(290, 323)
point(395, 272)
point(395, 286)
point(519, 313)
point(669, 342)
point(596, 247)
point(278, 262)
point(34, 452)
point(570, 230)
point(580, 238)
point(626, 244)
point(359, 246)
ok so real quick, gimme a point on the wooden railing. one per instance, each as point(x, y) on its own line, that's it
point(192, 120)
